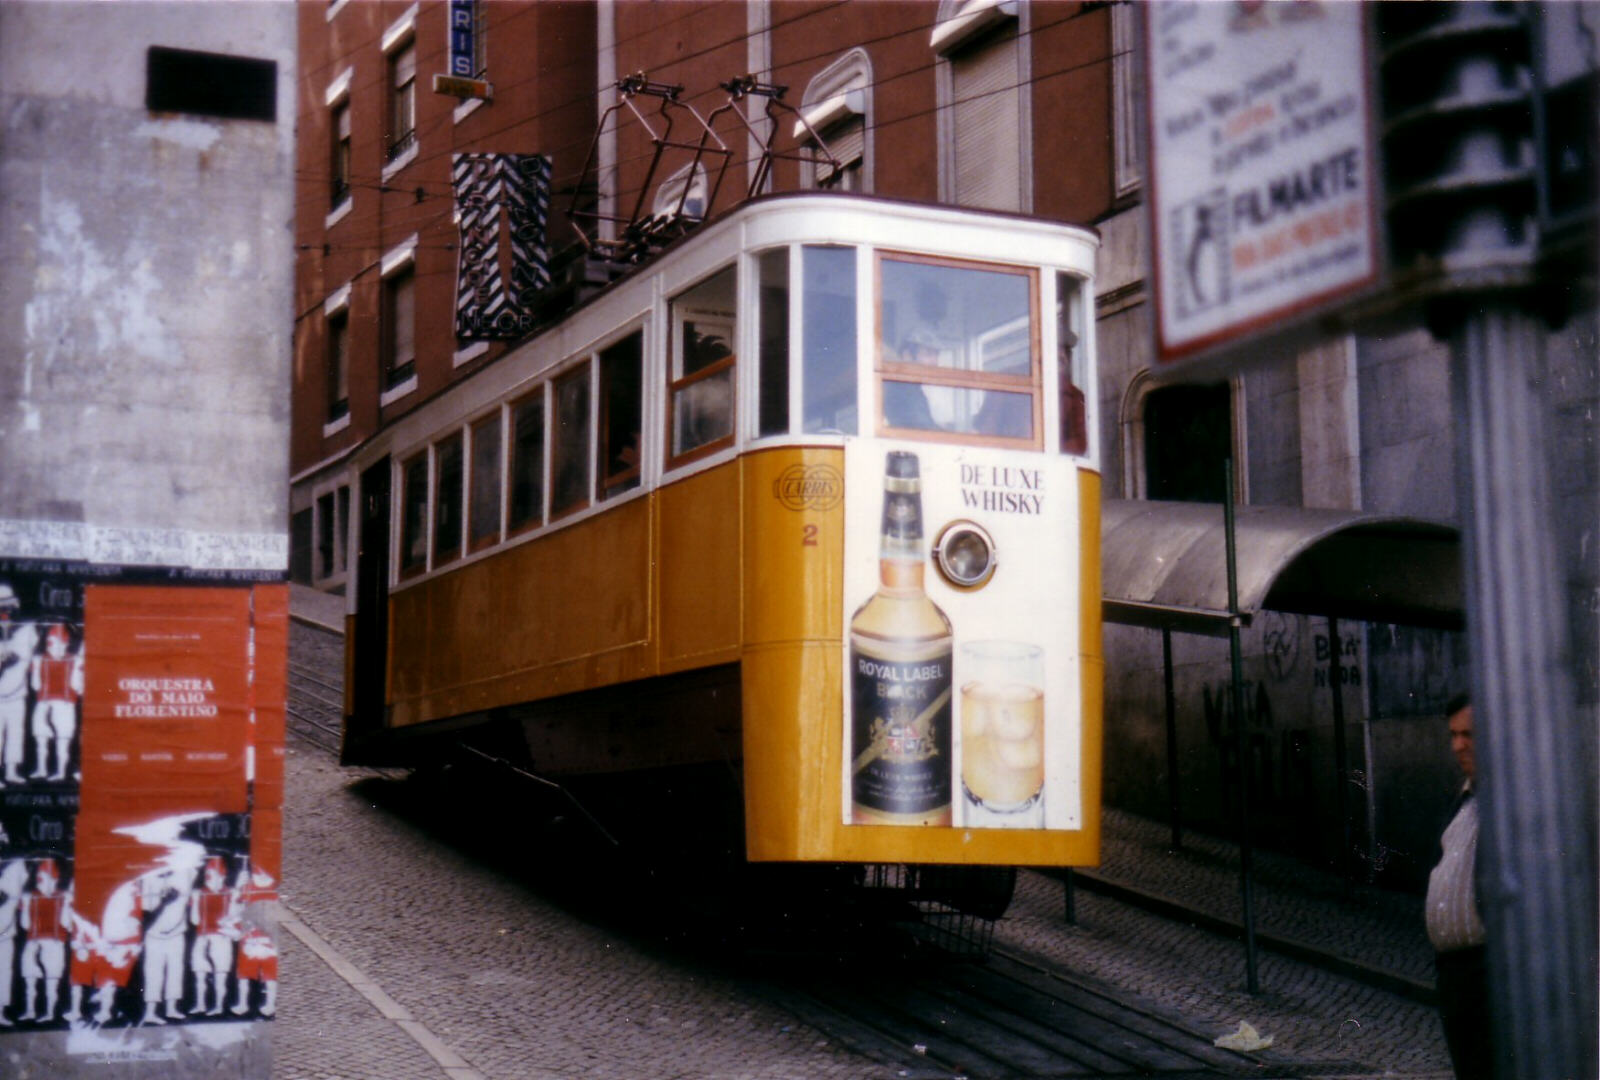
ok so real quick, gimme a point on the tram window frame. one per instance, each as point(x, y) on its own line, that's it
point(773, 329)
point(1071, 364)
point(689, 314)
point(518, 468)
point(898, 372)
point(830, 339)
point(614, 473)
point(413, 517)
point(570, 445)
point(485, 451)
point(449, 496)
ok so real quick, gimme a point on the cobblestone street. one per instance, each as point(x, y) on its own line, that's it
point(487, 948)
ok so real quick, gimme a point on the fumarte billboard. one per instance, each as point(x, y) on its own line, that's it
point(1263, 183)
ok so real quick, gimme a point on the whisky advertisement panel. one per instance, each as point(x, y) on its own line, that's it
point(962, 701)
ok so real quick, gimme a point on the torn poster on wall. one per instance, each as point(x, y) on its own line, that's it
point(141, 793)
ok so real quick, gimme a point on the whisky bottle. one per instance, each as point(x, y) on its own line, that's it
point(900, 674)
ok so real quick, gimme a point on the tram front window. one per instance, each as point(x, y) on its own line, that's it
point(957, 350)
point(828, 334)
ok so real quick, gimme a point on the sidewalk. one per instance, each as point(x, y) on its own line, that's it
point(316, 608)
point(1369, 933)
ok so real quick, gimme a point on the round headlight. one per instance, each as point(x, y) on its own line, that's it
point(965, 554)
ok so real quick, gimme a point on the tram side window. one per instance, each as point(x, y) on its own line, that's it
point(569, 464)
point(414, 515)
point(828, 335)
point(483, 501)
point(1069, 365)
point(621, 386)
point(527, 463)
point(701, 389)
point(447, 493)
point(956, 352)
point(773, 270)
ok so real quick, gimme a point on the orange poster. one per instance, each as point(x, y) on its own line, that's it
point(167, 701)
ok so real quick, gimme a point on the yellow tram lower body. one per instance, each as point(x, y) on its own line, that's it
point(696, 624)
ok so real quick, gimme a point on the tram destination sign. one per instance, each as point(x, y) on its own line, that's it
point(1263, 198)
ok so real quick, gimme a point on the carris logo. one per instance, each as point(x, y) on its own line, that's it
point(815, 487)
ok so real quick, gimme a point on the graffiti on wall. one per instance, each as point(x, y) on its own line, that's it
point(1338, 661)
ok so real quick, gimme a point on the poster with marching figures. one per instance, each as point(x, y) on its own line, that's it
point(141, 790)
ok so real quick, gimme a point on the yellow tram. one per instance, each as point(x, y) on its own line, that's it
point(810, 501)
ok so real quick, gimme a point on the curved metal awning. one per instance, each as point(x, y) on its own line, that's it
point(1164, 565)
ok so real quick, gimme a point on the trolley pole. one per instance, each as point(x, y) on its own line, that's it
point(1241, 736)
point(1537, 870)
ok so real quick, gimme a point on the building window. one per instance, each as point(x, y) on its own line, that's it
point(341, 502)
point(1188, 434)
point(957, 351)
point(339, 364)
point(210, 84)
point(569, 464)
point(327, 529)
point(527, 463)
point(1126, 98)
point(621, 392)
point(402, 100)
point(836, 108)
point(447, 492)
point(414, 515)
point(332, 519)
point(483, 502)
point(399, 325)
point(700, 392)
point(300, 553)
point(983, 71)
point(339, 165)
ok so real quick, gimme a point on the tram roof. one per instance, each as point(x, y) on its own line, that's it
point(838, 217)
point(1164, 565)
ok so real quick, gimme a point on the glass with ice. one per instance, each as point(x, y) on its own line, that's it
point(1002, 733)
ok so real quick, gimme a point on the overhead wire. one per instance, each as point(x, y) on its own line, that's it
point(424, 135)
point(425, 190)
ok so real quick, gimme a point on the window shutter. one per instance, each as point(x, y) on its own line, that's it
point(404, 314)
point(986, 123)
point(848, 144)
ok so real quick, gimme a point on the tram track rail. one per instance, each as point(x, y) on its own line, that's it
point(1012, 1018)
point(314, 713)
